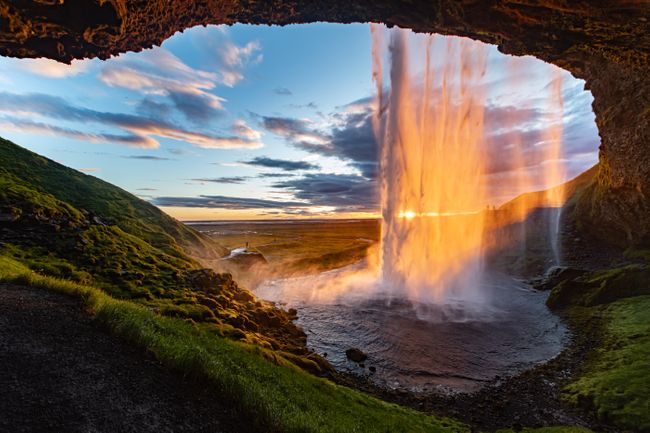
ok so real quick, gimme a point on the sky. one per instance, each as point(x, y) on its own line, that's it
point(249, 122)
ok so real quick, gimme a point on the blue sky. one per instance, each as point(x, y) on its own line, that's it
point(251, 121)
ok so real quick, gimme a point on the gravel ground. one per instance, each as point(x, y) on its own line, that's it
point(60, 373)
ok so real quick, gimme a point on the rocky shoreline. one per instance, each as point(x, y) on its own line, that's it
point(531, 398)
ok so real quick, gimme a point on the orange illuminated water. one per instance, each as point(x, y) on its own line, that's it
point(432, 165)
point(426, 309)
point(431, 128)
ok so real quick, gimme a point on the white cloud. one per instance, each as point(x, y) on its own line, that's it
point(235, 58)
point(51, 68)
point(136, 131)
point(159, 72)
point(234, 55)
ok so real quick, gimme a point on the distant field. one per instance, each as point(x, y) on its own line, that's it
point(295, 245)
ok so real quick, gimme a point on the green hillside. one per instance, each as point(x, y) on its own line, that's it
point(96, 197)
point(65, 224)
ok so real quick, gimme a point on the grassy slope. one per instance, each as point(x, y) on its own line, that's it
point(91, 231)
point(132, 215)
point(616, 381)
point(276, 397)
point(64, 224)
point(54, 233)
point(536, 199)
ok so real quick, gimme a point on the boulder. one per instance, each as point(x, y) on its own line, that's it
point(356, 355)
point(556, 275)
point(207, 280)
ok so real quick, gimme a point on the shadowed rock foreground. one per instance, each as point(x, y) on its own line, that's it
point(60, 373)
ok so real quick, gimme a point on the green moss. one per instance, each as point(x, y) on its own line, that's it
point(638, 254)
point(550, 430)
point(616, 380)
point(49, 180)
point(601, 287)
point(195, 312)
point(70, 225)
point(20, 199)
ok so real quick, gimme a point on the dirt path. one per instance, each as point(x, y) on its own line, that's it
point(60, 373)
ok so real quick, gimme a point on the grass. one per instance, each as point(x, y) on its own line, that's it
point(86, 193)
point(616, 380)
point(71, 225)
point(274, 397)
point(638, 254)
point(550, 430)
point(601, 287)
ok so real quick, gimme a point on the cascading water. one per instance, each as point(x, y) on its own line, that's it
point(450, 320)
point(431, 140)
point(430, 128)
point(554, 172)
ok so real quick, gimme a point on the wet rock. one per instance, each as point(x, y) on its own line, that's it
point(556, 275)
point(208, 280)
point(247, 259)
point(356, 355)
point(244, 296)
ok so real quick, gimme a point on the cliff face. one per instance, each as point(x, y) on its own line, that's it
point(605, 42)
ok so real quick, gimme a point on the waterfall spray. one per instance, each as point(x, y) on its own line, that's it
point(431, 139)
point(554, 173)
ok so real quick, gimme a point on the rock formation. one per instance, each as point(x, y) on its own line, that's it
point(605, 42)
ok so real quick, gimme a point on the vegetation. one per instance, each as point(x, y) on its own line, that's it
point(50, 182)
point(276, 397)
point(65, 224)
point(641, 254)
point(616, 380)
point(601, 287)
point(550, 430)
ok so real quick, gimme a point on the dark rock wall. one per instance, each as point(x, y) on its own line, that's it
point(607, 43)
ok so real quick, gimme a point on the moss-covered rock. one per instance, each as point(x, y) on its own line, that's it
point(601, 287)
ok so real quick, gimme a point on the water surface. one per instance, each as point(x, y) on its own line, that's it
point(456, 347)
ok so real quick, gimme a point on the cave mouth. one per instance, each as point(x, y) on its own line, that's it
point(606, 44)
point(458, 336)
